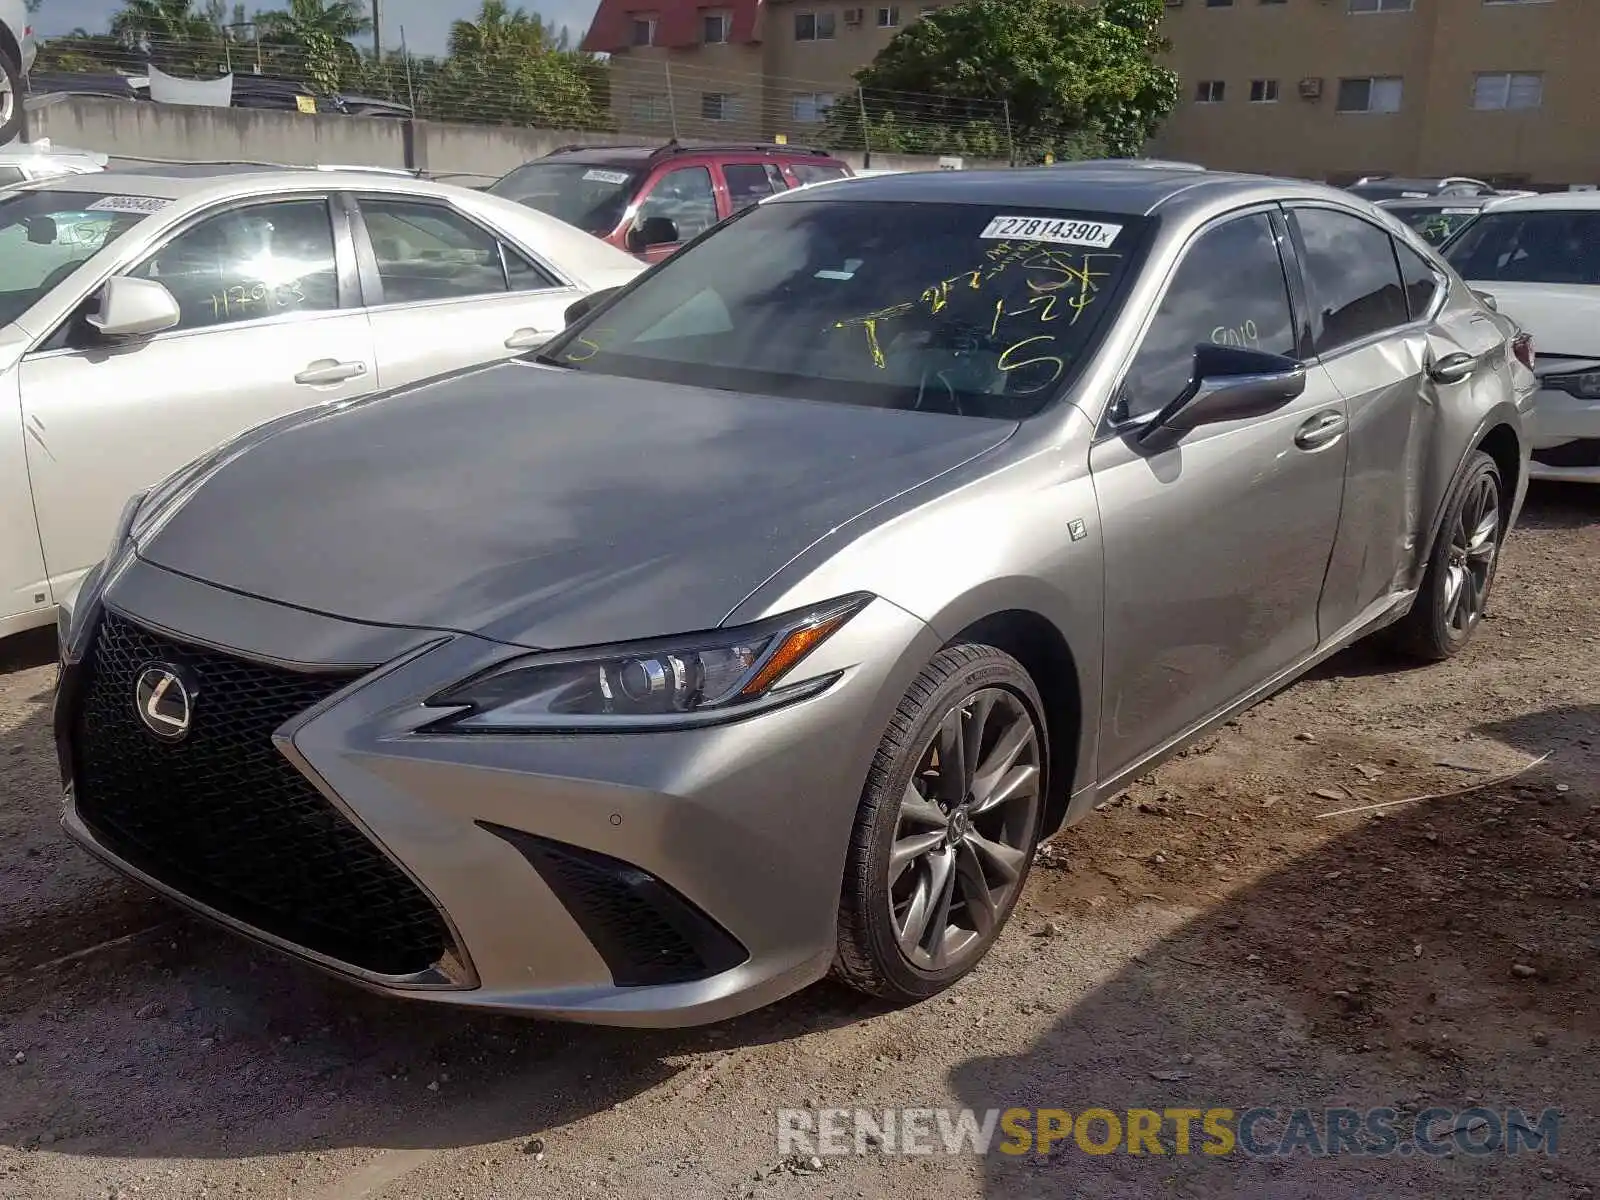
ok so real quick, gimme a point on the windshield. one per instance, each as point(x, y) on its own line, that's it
point(970, 309)
point(591, 197)
point(1530, 246)
point(45, 236)
point(1436, 223)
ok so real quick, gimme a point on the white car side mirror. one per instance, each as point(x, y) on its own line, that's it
point(133, 308)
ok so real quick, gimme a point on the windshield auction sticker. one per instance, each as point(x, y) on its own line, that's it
point(599, 176)
point(128, 204)
point(1063, 231)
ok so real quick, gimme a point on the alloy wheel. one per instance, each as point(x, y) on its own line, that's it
point(1474, 542)
point(964, 830)
point(8, 100)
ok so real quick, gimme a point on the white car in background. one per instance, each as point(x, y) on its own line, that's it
point(27, 162)
point(17, 52)
point(146, 317)
point(1539, 257)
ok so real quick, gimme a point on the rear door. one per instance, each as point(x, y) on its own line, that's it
point(269, 324)
point(444, 292)
point(1373, 303)
point(748, 183)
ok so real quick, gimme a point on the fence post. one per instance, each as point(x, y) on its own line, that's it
point(672, 104)
point(1011, 145)
point(866, 135)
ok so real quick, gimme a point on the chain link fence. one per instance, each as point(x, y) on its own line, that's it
point(653, 98)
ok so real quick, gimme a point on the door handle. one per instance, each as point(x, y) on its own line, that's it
point(529, 339)
point(1452, 368)
point(330, 370)
point(1321, 430)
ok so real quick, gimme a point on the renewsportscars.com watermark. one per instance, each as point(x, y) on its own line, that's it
point(1214, 1132)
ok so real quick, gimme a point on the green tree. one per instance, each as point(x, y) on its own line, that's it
point(319, 33)
point(1071, 79)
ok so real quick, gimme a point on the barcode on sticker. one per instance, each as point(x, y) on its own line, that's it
point(599, 176)
point(128, 204)
point(1062, 230)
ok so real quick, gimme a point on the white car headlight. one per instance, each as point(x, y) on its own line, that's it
point(698, 679)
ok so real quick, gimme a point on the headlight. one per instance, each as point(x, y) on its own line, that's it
point(1585, 385)
point(694, 680)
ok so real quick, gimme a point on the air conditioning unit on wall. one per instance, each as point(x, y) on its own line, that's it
point(854, 16)
point(1310, 89)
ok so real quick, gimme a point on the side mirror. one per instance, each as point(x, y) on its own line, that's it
point(1487, 300)
point(1229, 384)
point(133, 308)
point(583, 305)
point(652, 231)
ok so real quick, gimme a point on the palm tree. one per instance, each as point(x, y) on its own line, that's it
point(498, 30)
point(160, 22)
point(306, 22)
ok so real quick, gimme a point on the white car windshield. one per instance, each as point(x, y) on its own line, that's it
point(963, 308)
point(45, 236)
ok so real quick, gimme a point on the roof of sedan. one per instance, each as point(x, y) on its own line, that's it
point(1132, 190)
point(178, 180)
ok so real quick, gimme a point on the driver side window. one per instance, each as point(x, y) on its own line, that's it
point(261, 260)
point(683, 197)
point(1229, 290)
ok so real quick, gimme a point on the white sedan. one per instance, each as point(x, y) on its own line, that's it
point(145, 317)
point(1539, 257)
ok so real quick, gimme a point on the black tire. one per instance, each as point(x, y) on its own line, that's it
point(11, 125)
point(869, 956)
point(1433, 630)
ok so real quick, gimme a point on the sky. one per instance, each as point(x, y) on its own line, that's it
point(427, 22)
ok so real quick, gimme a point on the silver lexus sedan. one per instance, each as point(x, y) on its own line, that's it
point(761, 625)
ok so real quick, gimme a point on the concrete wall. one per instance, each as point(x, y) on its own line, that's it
point(134, 132)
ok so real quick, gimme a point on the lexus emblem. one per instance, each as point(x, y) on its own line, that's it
point(164, 699)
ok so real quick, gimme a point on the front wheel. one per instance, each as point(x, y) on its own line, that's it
point(1455, 589)
point(947, 826)
point(11, 97)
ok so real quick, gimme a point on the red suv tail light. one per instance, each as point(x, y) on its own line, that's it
point(1522, 347)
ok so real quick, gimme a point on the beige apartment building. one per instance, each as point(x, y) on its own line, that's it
point(1502, 89)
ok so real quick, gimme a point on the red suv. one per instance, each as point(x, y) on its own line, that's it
point(649, 200)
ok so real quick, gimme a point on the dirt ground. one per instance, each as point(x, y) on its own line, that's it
point(1204, 941)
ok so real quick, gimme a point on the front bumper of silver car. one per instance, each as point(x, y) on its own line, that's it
point(667, 878)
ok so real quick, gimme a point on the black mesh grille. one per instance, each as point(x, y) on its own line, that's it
point(1585, 452)
point(646, 932)
point(223, 817)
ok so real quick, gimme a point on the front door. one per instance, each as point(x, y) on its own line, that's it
point(261, 334)
point(1215, 549)
point(685, 196)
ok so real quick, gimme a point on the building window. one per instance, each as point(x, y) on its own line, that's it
point(1263, 91)
point(925, 9)
point(813, 27)
point(1219, 3)
point(1274, 1)
point(648, 108)
point(1374, 6)
point(644, 31)
point(889, 18)
point(808, 110)
point(1369, 96)
point(1507, 89)
point(718, 106)
point(1209, 91)
point(714, 28)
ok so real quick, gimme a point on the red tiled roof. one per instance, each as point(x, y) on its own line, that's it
point(677, 23)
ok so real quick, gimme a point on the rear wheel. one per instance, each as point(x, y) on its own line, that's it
point(947, 826)
point(1455, 590)
point(10, 100)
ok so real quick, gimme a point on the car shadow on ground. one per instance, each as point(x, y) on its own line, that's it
point(1443, 953)
point(22, 651)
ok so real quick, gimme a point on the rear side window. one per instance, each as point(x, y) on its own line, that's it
point(1228, 290)
point(747, 183)
point(1552, 246)
point(1352, 277)
point(815, 173)
point(9, 175)
point(1418, 278)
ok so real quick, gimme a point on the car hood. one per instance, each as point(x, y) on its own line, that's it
point(1563, 318)
point(546, 507)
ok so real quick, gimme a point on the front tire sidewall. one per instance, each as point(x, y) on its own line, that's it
point(13, 77)
point(992, 670)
